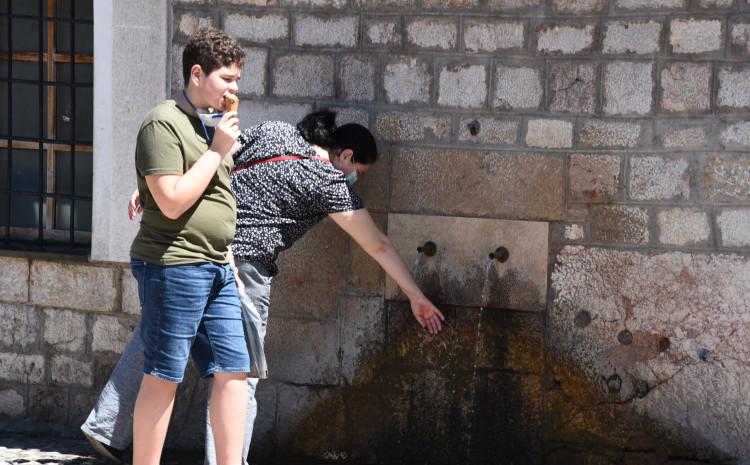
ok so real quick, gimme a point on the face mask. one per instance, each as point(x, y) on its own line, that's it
point(209, 119)
point(351, 178)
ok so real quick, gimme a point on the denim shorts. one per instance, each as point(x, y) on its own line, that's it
point(180, 302)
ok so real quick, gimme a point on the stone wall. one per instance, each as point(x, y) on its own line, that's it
point(620, 124)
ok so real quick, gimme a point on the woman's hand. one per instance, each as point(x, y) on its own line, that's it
point(427, 315)
point(134, 206)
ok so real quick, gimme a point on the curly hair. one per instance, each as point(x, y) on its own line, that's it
point(211, 49)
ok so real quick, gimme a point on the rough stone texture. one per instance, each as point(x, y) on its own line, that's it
point(254, 73)
point(357, 78)
point(550, 134)
point(366, 277)
point(19, 326)
point(734, 87)
point(683, 226)
point(14, 279)
point(620, 224)
point(72, 286)
point(385, 4)
point(362, 338)
point(187, 23)
point(636, 37)
point(517, 88)
point(659, 178)
point(715, 3)
point(456, 275)
point(740, 38)
point(628, 87)
point(578, 6)
point(572, 88)
point(686, 87)
point(687, 315)
point(252, 113)
point(412, 127)
point(736, 135)
point(11, 404)
point(65, 330)
point(432, 32)
point(463, 85)
point(514, 5)
point(565, 40)
point(347, 114)
point(695, 35)
point(493, 36)
point(261, 28)
point(111, 334)
point(316, 69)
point(315, 30)
point(407, 79)
point(679, 135)
point(310, 3)
point(491, 131)
point(445, 4)
point(574, 232)
point(130, 300)
point(651, 4)
point(611, 134)
point(68, 370)
point(312, 359)
point(594, 177)
point(524, 186)
point(381, 31)
point(21, 368)
point(734, 228)
point(725, 179)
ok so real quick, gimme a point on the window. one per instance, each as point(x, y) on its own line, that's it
point(46, 124)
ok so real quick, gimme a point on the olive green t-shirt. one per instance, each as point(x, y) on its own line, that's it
point(170, 142)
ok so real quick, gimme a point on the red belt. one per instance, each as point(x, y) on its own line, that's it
point(281, 158)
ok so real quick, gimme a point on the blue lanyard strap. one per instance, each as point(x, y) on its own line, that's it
point(205, 131)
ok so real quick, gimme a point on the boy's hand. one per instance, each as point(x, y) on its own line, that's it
point(226, 134)
point(427, 315)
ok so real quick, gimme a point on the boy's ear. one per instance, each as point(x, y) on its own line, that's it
point(195, 74)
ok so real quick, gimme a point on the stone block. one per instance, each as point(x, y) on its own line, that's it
point(338, 4)
point(678, 134)
point(739, 38)
point(574, 232)
point(412, 127)
point(407, 80)
point(382, 31)
point(636, 37)
point(111, 333)
point(628, 87)
point(269, 28)
point(346, 115)
point(362, 338)
point(14, 280)
point(734, 228)
point(186, 23)
point(734, 88)
point(594, 177)
point(715, 3)
point(48, 404)
point(264, 430)
point(432, 32)
point(252, 113)
point(686, 87)
point(366, 420)
point(254, 74)
point(366, 277)
point(69, 370)
point(315, 30)
point(688, 35)
point(683, 227)
point(388, 5)
point(550, 134)
point(490, 131)
point(736, 135)
point(577, 7)
point(463, 85)
point(725, 179)
point(517, 88)
point(311, 273)
point(357, 78)
point(74, 286)
point(26, 369)
point(659, 178)
point(609, 134)
point(317, 70)
point(65, 330)
point(19, 326)
point(563, 39)
point(572, 88)
point(493, 36)
point(515, 6)
point(12, 404)
point(619, 225)
point(131, 303)
point(523, 185)
point(651, 4)
point(450, 4)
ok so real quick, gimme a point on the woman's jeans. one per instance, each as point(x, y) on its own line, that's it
point(111, 420)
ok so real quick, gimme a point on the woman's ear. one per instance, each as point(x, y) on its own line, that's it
point(347, 155)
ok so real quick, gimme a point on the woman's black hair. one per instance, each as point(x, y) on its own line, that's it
point(317, 128)
point(359, 140)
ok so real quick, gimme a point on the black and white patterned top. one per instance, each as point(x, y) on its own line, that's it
point(279, 201)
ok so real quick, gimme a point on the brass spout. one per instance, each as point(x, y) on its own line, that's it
point(429, 249)
point(500, 254)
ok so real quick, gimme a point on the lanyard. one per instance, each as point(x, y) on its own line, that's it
point(205, 131)
point(282, 158)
